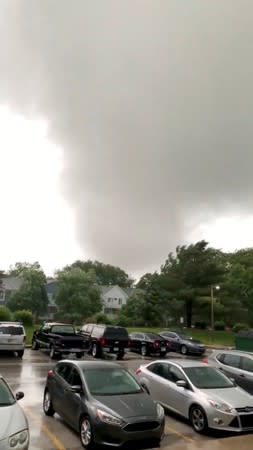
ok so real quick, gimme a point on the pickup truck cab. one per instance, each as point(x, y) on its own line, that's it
point(60, 339)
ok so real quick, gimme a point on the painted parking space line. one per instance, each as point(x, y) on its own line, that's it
point(187, 439)
point(51, 436)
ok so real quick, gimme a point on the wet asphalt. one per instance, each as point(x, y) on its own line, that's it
point(29, 375)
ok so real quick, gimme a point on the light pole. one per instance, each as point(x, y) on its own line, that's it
point(212, 305)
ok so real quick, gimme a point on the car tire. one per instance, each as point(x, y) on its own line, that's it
point(156, 443)
point(144, 351)
point(79, 355)
point(47, 404)
point(20, 353)
point(120, 356)
point(163, 354)
point(35, 345)
point(52, 353)
point(94, 351)
point(85, 433)
point(183, 350)
point(198, 419)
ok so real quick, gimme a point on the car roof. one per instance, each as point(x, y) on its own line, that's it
point(231, 352)
point(88, 365)
point(58, 323)
point(183, 363)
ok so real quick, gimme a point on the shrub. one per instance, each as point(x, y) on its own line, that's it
point(24, 316)
point(240, 326)
point(122, 321)
point(5, 314)
point(219, 325)
point(201, 325)
point(102, 318)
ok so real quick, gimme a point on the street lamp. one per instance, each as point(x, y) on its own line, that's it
point(212, 304)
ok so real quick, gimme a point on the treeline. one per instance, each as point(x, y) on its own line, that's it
point(180, 289)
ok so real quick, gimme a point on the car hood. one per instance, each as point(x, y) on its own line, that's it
point(12, 419)
point(130, 405)
point(234, 397)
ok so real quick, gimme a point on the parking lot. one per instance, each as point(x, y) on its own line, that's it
point(48, 433)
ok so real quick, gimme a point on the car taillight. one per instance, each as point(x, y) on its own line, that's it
point(50, 374)
point(205, 360)
point(129, 343)
point(102, 341)
point(156, 344)
point(138, 371)
point(168, 344)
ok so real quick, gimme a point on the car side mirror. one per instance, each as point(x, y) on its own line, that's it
point(77, 389)
point(19, 395)
point(181, 383)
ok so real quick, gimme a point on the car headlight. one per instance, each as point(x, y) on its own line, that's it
point(19, 439)
point(160, 411)
point(220, 406)
point(109, 418)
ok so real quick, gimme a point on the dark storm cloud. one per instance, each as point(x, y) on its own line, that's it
point(152, 103)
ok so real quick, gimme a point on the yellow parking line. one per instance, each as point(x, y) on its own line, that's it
point(57, 443)
point(177, 433)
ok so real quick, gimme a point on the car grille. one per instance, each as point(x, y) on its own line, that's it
point(235, 423)
point(246, 420)
point(246, 409)
point(141, 426)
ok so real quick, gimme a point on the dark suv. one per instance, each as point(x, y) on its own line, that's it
point(104, 339)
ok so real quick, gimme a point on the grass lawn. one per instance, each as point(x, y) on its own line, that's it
point(207, 337)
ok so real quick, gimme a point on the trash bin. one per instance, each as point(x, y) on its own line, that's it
point(244, 340)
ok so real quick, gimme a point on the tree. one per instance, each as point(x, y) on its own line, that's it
point(32, 295)
point(105, 273)
point(133, 310)
point(192, 269)
point(77, 295)
point(20, 267)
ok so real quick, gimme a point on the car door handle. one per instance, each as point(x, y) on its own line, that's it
point(242, 375)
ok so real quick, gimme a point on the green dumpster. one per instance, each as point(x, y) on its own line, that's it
point(244, 340)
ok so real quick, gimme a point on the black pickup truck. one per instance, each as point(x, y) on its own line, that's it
point(59, 339)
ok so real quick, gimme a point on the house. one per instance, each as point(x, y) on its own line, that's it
point(113, 298)
point(8, 286)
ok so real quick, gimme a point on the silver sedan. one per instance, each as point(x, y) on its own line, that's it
point(199, 393)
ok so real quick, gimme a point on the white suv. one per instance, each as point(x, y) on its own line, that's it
point(12, 337)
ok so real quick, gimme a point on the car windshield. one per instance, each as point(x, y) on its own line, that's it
point(154, 336)
point(111, 381)
point(63, 329)
point(184, 336)
point(207, 378)
point(6, 396)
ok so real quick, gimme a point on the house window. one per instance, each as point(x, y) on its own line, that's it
point(1, 296)
point(109, 299)
point(120, 301)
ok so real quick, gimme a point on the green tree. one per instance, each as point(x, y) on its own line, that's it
point(105, 273)
point(192, 269)
point(133, 310)
point(20, 267)
point(77, 296)
point(32, 295)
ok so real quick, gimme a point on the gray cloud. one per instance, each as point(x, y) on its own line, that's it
point(152, 103)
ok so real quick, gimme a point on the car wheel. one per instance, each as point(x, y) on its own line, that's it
point(86, 435)
point(52, 354)
point(198, 419)
point(20, 353)
point(94, 351)
point(163, 354)
point(35, 345)
point(184, 350)
point(47, 404)
point(144, 350)
point(79, 355)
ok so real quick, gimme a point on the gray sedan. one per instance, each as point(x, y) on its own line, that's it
point(14, 430)
point(103, 402)
point(200, 393)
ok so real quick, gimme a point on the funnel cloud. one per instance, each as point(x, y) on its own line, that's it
point(151, 101)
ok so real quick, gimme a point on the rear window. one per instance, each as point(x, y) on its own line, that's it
point(154, 336)
point(63, 329)
point(16, 331)
point(116, 332)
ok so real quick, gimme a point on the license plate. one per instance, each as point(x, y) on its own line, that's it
point(116, 349)
point(163, 349)
point(74, 350)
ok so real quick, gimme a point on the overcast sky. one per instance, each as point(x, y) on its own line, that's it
point(126, 129)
